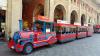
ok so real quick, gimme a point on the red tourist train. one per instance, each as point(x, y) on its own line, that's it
point(97, 28)
point(44, 33)
point(65, 32)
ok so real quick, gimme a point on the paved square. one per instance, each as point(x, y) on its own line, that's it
point(83, 47)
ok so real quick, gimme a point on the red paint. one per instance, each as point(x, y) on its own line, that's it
point(19, 48)
point(11, 43)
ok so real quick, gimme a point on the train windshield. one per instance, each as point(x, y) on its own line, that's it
point(38, 26)
point(41, 26)
point(48, 27)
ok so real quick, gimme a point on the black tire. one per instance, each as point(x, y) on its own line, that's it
point(26, 51)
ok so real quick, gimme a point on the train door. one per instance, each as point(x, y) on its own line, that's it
point(60, 32)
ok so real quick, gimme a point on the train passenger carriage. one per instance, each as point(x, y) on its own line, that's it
point(46, 32)
point(90, 30)
point(96, 28)
point(81, 31)
point(65, 32)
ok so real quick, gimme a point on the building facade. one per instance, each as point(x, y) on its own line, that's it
point(72, 11)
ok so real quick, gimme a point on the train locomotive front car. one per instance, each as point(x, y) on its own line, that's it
point(21, 41)
point(41, 35)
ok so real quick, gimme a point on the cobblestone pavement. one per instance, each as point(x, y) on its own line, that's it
point(83, 47)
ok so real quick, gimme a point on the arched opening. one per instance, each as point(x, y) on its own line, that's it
point(2, 23)
point(74, 17)
point(59, 13)
point(39, 10)
point(83, 19)
point(31, 8)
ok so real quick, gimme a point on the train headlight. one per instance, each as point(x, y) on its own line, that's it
point(19, 40)
point(12, 47)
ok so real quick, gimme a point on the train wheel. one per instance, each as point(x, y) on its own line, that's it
point(28, 49)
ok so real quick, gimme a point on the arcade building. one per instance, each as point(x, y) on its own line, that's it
point(71, 11)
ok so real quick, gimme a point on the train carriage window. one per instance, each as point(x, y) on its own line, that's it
point(63, 30)
point(82, 29)
point(67, 30)
point(48, 27)
point(58, 29)
point(86, 30)
point(72, 30)
point(53, 28)
point(79, 30)
point(38, 26)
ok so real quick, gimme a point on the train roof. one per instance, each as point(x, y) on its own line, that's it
point(61, 24)
point(43, 18)
point(97, 26)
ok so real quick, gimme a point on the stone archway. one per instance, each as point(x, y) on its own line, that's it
point(39, 10)
point(32, 8)
point(74, 17)
point(13, 15)
point(83, 19)
point(24, 9)
point(59, 13)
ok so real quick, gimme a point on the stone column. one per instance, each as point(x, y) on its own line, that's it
point(69, 11)
point(14, 13)
point(47, 8)
point(98, 18)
